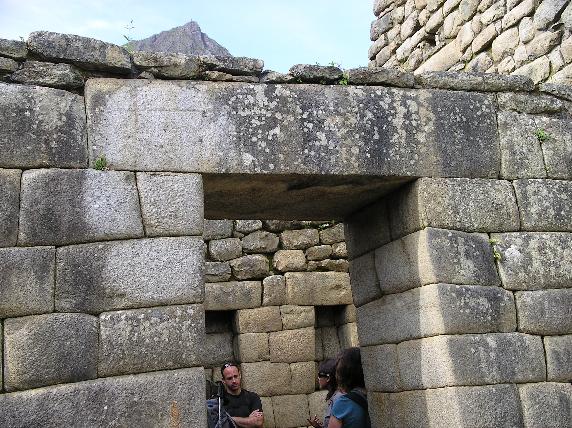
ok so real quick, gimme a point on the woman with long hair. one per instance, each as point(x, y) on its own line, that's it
point(326, 380)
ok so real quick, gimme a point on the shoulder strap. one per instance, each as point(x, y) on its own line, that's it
point(356, 398)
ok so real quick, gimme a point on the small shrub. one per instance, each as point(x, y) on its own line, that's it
point(542, 135)
point(101, 163)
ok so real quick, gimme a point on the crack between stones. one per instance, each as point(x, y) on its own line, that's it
point(140, 205)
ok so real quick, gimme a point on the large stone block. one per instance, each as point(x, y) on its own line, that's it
point(292, 346)
point(260, 241)
point(49, 349)
point(162, 399)
point(439, 361)
point(217, 229)
point(258, 320)
point(60, 207)
point(546, 404)
point(533, 261)
point(470, 205)
point(472, 406)
point(252, 266)
point(255, 377)
point(217, 271)
point(268, 412)
point(26, 281)
point(291, 411)
point(41, 127)
point(224, 296)
point(333, 234)
point(556, 145)
point(559, 358)
point(302, 377)
point(61, 76)
point(9, 206)
point(289, 260)
point(299, 239)
point(348, 335)
point(545, 312)
point(436, 309)
point(363, 278)
point(106, 276)
point(545, 205)
point(317, 404)
point(140, 340)
point(225, 249)
point(273, 290)
point(435, 255)
point(330, 342)
point(380, 368)
point(294, 317)
point(171, 204)
point(251, 347)
point(367, 229)
point(218, 349)
point(318, 288)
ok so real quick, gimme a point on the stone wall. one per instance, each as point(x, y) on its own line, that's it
point(524, 37)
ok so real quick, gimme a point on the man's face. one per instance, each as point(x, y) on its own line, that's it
point(231, 379)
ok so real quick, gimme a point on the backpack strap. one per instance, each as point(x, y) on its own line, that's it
point(357, 398)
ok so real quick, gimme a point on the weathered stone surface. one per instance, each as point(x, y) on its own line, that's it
point(63, 76)
point(380, 368)
point(317, 404)
point(15, 49)
point(219, 76)
point(545, 205)
point(225, 249)
point(562, 91)
point(332, 235)
point(224, 296)
point(7, 65)
point(268, 410)
point(543, 43)
point(556, 146)
point(563, 77)
point(504, 44)
point(116, 121)
point(217, 229)
point(330, 342)
point(534, 261)
point(255, 377)
point(316, 73)
point(9, 206)
point(367, 229)
point(258, 320)
point(141, 340)
point(380, 76)
point(247, 226)
point(546, 404)
point(347, 314)
point(82, 51)
point(291, 410)
point(251, 347)
point(439, 361)
point(45, 128)
point(471, 205)
point(168, 65)
point(217, 271)
point(318, 252)
point(158, 399)
point(530, 103)
point(445, 58)
point(559, 358)
point(129, 274)
point(273, 290)
point(329, 265)
point(484, 39)
point(251, 266)
point(61, 207)
point(380, 26)
point(235, 65)
point(289, 260)
point(474, 406)
point(545, 312)
point(473, 81)
point(538, 70)
point(260, 242)
point(269, 76)
point(303, 377)
point(526, 7)
point(294, 317)
point(318, 288)
point(348, 335)
point(26, 281)
point(435, 255)
point(49, 349)
point(218, 348)
point(547, 11)
point(436, 309)
point(290, 346)
point(339, 250)
point(171, 204)
point(299, 239)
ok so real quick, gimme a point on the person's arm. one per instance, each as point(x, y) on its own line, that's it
point(254, 420)
point(335, 423)
point(315, 422)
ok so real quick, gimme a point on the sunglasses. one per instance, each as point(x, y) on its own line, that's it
point(323, 375)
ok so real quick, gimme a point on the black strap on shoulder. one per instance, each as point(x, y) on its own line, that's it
point(356, 398)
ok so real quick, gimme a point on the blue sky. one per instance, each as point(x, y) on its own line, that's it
point(282, 33)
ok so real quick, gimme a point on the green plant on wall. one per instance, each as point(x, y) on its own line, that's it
point(496, 253)
point(129, 45)
point(100, 163)
point(542, 135)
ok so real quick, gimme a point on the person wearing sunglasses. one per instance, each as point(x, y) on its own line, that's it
point(326, 380)
point(244, 407)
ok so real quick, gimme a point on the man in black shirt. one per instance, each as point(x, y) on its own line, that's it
point(243, 406)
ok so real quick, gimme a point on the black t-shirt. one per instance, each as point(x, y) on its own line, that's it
point(243, 404)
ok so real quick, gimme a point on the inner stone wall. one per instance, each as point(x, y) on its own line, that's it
point(524, 37)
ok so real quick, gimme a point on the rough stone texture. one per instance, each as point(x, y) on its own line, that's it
point(171, 204)
point(7, 65)
point(380, 76)
point(303, 377)
point(45, 128)
point(224, 296)
point(562, 91)
point(84, 52)
point(9, 206)
point(217, 271)
point(141, 340)
point(471, 205)
point(62, 76)
point(435, 255)
point(339, 250)
point(317, 404)
point(168, 65)
point(26, 281)
point(546, 404)
point(318, 288)
point(255, 377)
point(251, 266)
point(290, 346)
point(442, 60)
point(299, 239)
point(473, 82)
point(319, 252)
point(530, 103)
point(260, 242)
point(158, 399)
point(49, 349)
point(129, 274)
point(225, 249)
point(239, 66)
point(380, 368)
point(367, 229)
point(258, 320)
point(545, 205)
point(439, 361)
point(545, 312)
point(330, 342)
point(333, 234)
point(251, 347)
point(115, 121)
point(534, 260)
point(218, 348)
point(268, 412)
point(61, 207)
point(273, 290)
point(291, 410)
point(14, 49)
point(557, 146)
point(316, 73)
point(247, 226)
point(436, 309)
point(348, 335)
point(294, 317)
point(474, 406)
point(347, 314)
point(559, 358)
point(217, 229)
point(269, 76)
point(289, 260)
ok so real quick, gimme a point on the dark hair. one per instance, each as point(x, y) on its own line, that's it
point(349, 372)
point(226, 366)
point(328, 367)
